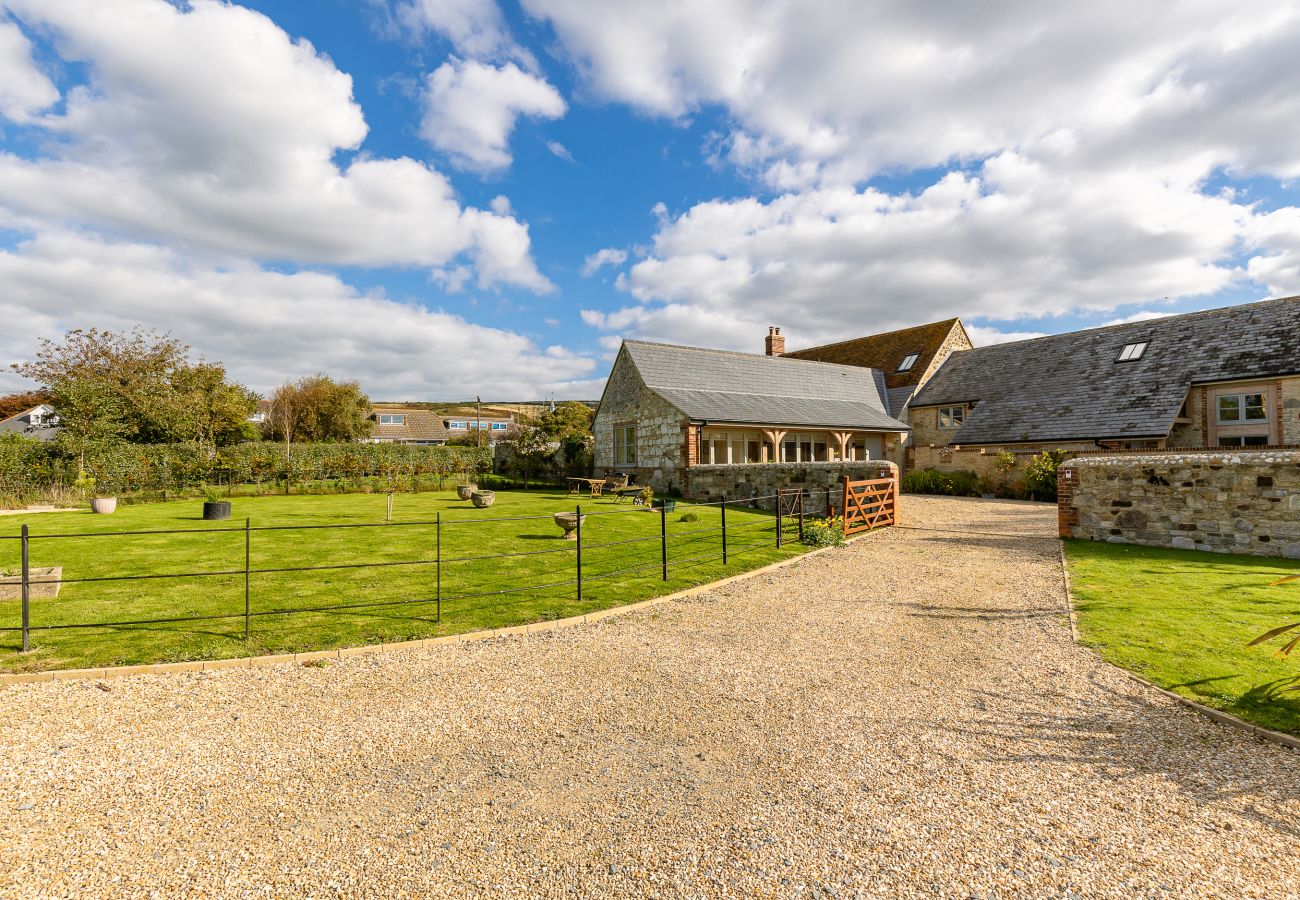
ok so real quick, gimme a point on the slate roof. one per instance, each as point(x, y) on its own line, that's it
point(1070, 386)
point(886, 351)
point(751, 389)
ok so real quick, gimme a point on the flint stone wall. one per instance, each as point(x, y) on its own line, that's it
point(708, 484)
point(1222, 501)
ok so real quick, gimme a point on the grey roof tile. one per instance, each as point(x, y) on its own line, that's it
point(746, 388)
point(1071, 386)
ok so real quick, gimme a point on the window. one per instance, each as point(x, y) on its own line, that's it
point(386, 419)
point(1132, 351)
point(1234, 408)
point(459, 426)
point(1244, 440)
point(625, 445)
point(908, 361)
point(951, 416)
point(498, 426)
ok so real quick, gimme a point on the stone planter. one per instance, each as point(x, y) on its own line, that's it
point(103, 505)
point(483, 499)
point(42, 583)
point(465, 491)
point(569, 522)
point(216, 510)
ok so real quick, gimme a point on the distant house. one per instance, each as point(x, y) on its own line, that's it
point(907, 358)
point(1220, 378)
point(667, 408)
point(494, 428)
point(406, 425)
point(40, 422)
point(261, 413)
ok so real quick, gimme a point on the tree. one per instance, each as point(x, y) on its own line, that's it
point(318, 409)
point(567, 419)
point(531, 447)
point(136, 386)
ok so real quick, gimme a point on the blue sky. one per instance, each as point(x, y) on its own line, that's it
point(413, 193)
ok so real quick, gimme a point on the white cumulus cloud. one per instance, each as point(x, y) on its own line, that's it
point(267, 326)
point(24, 88)
point(470, 110)
point(209, 126)
point(608, 256)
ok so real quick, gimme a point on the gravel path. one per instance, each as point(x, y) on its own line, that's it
point(904, 717)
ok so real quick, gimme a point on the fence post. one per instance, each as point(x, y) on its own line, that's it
point(663, 537)
point(724, 529)
point(844, 510)
point(248, 558)
point(577, 510)
point(801, 514)
point(27, 584)
point(779, 500)
point(438, 564)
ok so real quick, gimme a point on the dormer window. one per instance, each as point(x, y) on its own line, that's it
point(908, 361)
point(393, 419)
point(1132, 351)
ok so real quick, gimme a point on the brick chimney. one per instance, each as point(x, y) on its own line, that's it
point(775, 343)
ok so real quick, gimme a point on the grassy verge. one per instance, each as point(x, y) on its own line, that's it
point(1181, 619)
point(393, 603)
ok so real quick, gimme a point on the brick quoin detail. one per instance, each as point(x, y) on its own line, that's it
point(1067, 517)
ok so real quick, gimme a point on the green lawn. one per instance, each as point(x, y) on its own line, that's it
point(539, 575)
point(1182, 618)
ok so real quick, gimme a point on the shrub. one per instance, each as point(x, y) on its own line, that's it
point(824, 532)
point(1040, 475)
point(963, 483)
point(689, 517)
point(32, 468)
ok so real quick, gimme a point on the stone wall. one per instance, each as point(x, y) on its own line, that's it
point(661, 431)
point(1224, 501)
point(711, 483)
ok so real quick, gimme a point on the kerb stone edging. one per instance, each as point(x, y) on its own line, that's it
point(424, 643)
point(1209, 712)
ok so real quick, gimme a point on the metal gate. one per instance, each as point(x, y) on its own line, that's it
point(868, 504)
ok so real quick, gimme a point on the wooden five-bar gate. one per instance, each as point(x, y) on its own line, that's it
point(869, 504)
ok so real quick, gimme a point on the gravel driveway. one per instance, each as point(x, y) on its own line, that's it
point(903, 717)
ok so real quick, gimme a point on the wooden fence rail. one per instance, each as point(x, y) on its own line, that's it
point(869, 504)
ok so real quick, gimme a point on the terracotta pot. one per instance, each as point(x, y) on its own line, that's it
point(465, 491)
point(483, 499)
point(103, 505)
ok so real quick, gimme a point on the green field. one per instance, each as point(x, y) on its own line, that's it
point(538, 576)
point(1182, 618)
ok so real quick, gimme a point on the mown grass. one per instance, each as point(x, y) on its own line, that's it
point(1182, 619)
point(539, 576)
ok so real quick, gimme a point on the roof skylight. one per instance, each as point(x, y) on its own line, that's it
point(908, 362)
point(1132, 351)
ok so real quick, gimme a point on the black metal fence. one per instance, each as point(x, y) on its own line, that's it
point(764, 530)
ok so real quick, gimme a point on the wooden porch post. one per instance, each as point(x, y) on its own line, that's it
point(776, 437)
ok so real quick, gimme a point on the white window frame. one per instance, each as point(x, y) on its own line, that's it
point(952, 421)
point(1241, 418)
point(908, 361)
point(625, 441)
point(1132, 352)
point(457, 426)
point(392, 419)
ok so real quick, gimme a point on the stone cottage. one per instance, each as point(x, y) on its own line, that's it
point(668, 408)
point(1219, 378)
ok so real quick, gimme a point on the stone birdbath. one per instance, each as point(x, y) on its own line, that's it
point(569, 522)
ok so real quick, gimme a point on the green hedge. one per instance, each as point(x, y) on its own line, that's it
point(129, 468)
point(932, 481)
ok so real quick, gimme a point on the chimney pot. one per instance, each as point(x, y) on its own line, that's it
point(774, 343)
